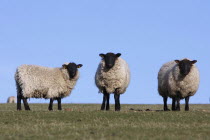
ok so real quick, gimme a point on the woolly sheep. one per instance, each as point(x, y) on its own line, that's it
point(178, 79)
point(112, 76)
point(11, 99)
point(42, 82)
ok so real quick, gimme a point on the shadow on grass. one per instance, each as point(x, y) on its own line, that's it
point(147, 110)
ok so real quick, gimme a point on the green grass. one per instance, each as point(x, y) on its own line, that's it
point(87, 122)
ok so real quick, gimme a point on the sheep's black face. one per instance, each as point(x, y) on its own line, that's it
point(72, 69)
point(185, 66)
point(110, 59)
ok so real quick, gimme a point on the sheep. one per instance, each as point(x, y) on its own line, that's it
point(34, 81)
point(112, 76)
point(178, 80)
point(11, 99)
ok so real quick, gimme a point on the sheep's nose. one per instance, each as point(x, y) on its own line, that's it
point(72, 74)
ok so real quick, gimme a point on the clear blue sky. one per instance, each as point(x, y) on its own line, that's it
point(148, 33)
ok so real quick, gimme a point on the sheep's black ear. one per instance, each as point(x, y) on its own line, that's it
point(64, 66)
point(79, 65)
point(193, 62)
point(177, 61)
point(102, 55)
point(118, 54)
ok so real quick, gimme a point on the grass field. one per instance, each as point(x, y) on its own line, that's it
point(86, 122)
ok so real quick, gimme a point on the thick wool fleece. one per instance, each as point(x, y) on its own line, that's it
point(118, 77)
point(171, 83)
point(42, 82)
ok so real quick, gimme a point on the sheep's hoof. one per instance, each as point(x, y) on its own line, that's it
point(103, 107)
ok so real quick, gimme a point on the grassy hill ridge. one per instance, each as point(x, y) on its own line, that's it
point(86, 121)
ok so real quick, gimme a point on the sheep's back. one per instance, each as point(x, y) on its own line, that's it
point(36, 81)
point(163, 77)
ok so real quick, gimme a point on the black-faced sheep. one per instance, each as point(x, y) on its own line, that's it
point(178, 79)
point(42, 82)
point(112, 76)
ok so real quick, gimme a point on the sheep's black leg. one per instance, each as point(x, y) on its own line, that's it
point(19, 102)
point(51, 104)
point(174, 104)
point(26, 104)
point(165, 104)
point(178, 104)
point(103, 105)
point(107, 101)
point(19, 96)
point(59, 103)
point(117, 102)
point(187, 103)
